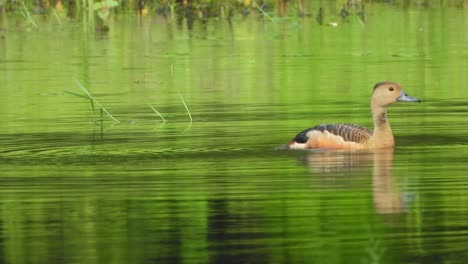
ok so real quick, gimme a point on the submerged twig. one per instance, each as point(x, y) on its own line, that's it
point(95, 101)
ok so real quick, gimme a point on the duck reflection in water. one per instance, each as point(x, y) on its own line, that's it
point(387, 197)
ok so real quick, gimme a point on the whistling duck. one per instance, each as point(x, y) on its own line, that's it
point(350, 136)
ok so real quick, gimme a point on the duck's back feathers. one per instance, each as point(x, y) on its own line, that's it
point(331, 136)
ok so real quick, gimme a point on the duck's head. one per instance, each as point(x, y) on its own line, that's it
point(387, 93)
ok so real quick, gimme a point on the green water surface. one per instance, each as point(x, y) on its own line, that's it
point(76, 187)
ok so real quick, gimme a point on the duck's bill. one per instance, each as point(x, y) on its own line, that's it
point(404, 97)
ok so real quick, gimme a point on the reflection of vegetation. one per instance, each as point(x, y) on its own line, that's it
point(27, 15)
point(103, 11)
point(215, 8)
point(326, 12)
point(103, 8)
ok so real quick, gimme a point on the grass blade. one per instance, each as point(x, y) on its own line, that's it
point(156, 111)
point(57, 16)
point(264, 13)
point(95, 101)
point(79, 95)
point(82, 96)
point(186, 107)
point(28, 16)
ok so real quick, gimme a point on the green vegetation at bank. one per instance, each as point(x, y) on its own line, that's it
point(98, 14)
point(203, 9)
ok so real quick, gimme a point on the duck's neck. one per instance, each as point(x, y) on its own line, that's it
point(383, 136)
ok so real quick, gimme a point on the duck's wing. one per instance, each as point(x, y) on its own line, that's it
point(348, 132)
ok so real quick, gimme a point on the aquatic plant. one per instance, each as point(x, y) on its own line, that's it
point(28, 16)
point(156, 111)
point(103, 8)
point(186, 107)
point(149, 104)
point(87, 95)
point(193, 10)
point(265, 14)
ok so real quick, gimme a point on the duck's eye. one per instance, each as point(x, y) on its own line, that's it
point(391, 89)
